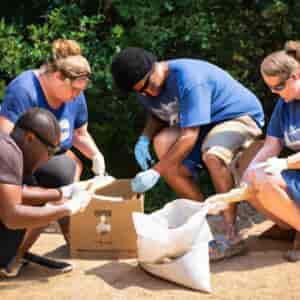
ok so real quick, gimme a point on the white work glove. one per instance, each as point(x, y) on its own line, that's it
point(79, 202)
point(275, 165)
point(144, 181)
point(103, 180)
point(68, 190)
point(98, 165)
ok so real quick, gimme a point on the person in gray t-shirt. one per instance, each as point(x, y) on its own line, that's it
point(32, 142)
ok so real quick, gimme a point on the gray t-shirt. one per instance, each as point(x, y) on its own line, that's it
point(11, 161)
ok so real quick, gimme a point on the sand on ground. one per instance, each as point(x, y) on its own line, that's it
point(261, 274)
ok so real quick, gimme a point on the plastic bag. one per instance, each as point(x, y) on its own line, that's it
point(173, 243)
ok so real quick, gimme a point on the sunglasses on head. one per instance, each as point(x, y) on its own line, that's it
point(52, 149)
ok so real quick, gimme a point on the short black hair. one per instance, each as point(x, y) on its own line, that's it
point(130, 66)
point(42, 122)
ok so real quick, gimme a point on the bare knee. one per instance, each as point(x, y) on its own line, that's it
point(164, 140)
point(212, 161)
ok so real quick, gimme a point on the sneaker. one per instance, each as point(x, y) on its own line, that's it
point(59, 266)
point(221, 248)
point(13, 269)
point(293, 255)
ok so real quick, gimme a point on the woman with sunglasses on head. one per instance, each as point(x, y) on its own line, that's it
point(277, 180)
point(198, 115)
point(58, 87)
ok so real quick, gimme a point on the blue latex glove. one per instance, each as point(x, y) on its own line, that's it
point(144, 181)
point(142, 153)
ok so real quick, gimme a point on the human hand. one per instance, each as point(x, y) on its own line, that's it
point(68, 190)
point(144, 181)
point(102, 180)
point(275, 165)
point(79, 202)
point(142, 153)
point(252, 170)
point(98, 164)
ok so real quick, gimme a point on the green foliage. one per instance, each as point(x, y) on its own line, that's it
point(234, 34)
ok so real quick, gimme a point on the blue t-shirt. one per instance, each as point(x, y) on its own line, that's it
point(25, 92)
point(197, 93)
point(285, 124)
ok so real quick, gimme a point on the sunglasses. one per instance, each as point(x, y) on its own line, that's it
point(279, 87)
point(52, 149)
point(77, 81)
point(146, 83)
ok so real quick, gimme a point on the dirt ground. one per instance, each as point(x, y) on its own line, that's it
point(260, 274)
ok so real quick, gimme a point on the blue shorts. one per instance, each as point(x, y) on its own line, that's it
point(292, 180)
point(194, 160)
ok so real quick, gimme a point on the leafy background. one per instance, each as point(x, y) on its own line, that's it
point(234, 34)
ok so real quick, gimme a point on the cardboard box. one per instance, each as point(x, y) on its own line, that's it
point(105, 229)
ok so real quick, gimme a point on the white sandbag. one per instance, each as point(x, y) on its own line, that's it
point(173, 243)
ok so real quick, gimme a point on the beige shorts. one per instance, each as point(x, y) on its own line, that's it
point(226, 139)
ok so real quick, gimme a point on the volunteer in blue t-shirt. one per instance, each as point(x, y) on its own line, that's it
point(58, 87)
point(277, 180)
point(198, 114)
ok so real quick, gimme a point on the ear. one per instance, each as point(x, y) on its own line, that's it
point(29, 136)
point(296, 76)
point(58, 75)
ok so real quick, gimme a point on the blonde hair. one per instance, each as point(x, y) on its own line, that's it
point(283, 63)
point(67, 59)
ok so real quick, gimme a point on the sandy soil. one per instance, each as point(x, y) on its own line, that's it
point(260, 274)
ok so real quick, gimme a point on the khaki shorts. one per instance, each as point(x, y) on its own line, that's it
point(224, 140)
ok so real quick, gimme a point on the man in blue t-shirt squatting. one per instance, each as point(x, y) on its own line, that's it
point(198, 115)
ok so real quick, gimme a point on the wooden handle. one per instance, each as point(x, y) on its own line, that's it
point(233, 196)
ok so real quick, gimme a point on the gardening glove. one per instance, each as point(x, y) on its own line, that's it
point(142, 153)
point(275, 165)
point(67, 191)
point(79, 201)
point(98, 164)
point(144, 181)
point(103, 180)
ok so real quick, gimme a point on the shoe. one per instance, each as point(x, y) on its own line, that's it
point(276, 233)
point(13, 269)
point(59, 266)
point(221, 248)
point(293, 255)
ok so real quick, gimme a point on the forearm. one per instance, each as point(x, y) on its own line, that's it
point(269, 149)
point(293, 161)
point(153, 126)
point(86, 145)
point(30, 217)
point(38, 196)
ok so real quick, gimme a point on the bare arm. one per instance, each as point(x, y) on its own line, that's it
point(272, 147)
point(38, 196)
point(84, 142)
point(18, 216)
point(153, 126)
point(6, 125)
point(177, 153)
point(293, 161)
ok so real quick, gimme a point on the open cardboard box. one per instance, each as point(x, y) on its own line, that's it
point(105, 229)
